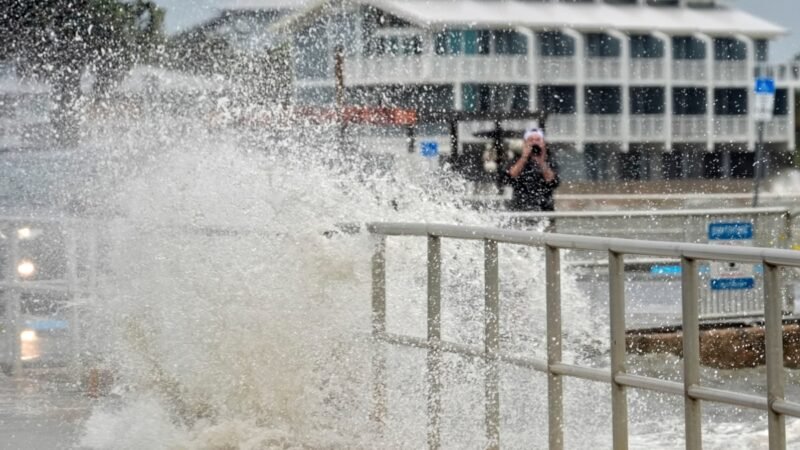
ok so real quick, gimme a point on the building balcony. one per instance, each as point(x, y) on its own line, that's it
point(732, 71)
point(689, 71)
point(562, 127)
point(690, 128)
point(647, 69)
point(603, 127)
point(777, 129)
point(603, 69)
point(554, 69)
point(438, 69)
point(731, 128)
point(647, 127)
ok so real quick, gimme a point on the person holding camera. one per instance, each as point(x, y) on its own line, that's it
point(533, 176)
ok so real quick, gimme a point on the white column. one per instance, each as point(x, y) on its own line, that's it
point(530, 36)
point(709, 88)
point(625, 87)
point(580, 86)
point(751, 95)
point(668, 113)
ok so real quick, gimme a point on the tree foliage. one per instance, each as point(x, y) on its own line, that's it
point(60, 40)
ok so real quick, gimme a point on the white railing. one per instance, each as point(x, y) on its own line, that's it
point(690, 128)
point(773, 401)
point(647, 127)
point(777, 129)
point(438, 68)
point(647, 69)
point(562, 127)
point(603, 69)
point(689, 71)
point(603, 126)
point(735, 71)
point(556, 69)
point(730, 128)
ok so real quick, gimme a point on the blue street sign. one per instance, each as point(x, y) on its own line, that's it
point(730, 231)
point(725, 284)
point(765, 85)
point(429, 149)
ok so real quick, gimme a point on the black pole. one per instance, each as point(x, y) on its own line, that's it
point(339, 75)
point(758, 169)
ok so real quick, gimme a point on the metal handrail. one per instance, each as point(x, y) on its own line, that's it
point(691, 389)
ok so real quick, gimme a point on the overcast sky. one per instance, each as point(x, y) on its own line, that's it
point(186, 13)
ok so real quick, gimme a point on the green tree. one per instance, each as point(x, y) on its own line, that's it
point(60, 40)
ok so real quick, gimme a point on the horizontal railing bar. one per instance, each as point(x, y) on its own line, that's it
point(786, 408)
point(650, 384)
point(32, 286)
point(654, 213)
point(587, 373)
point(728, 397)
point(773, 256)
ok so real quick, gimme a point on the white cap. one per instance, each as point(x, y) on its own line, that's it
point(532, 131)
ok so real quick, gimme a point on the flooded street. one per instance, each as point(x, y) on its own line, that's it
point(41, 412)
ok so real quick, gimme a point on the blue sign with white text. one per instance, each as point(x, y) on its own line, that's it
point(429, 149)
point(730, 231)
point(721, 284)
point(765, 86)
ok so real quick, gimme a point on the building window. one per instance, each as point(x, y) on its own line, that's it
point(647, 100)
point(742, 164)
point(448, 42)
point(688, 101)
point(602, 45)
point(554, 43)
point(603, 100)
point(476, 42)
point(556, 99)
point(712, 165)
point(762, 50)
point(730, 101)
point(495, 97)
point(688, 47)
point(646, 46)
point(728, 49)
point(510, 43)
point(781, 102)
point(672, 165)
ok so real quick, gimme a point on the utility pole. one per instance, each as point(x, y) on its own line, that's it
point(340, 95)
point(762, 112)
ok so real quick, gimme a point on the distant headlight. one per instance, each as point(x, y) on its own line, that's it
point(27, 233)
point(28, 336)
point(26, 269)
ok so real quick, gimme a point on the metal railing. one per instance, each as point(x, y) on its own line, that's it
point(617, 376)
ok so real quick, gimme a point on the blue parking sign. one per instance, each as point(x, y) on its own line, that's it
point(429, 149)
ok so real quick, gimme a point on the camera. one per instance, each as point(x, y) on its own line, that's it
point(536, 150)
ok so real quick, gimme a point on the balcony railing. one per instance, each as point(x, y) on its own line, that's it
point(689, 71)
point(647, 69)
point(690, 128)
point(730, 128)
point(603, 127)
point(556, 69)
point(603, 69)
point(435, 68)
point(647, 127)
point(731, 71)
point(777, 129)
point(562, 127)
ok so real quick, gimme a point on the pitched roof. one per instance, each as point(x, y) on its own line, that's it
point(595, 16)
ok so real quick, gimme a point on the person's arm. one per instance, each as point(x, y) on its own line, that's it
point(516, 169)
point(549, 171)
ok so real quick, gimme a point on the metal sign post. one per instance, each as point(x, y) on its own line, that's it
point(762, 112)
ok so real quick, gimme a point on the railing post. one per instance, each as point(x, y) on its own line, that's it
point(773, 322)
point(379, 396)
point(555, 401)
point(492, 344)
point(616, 300)
point(691, 352)
point(434, 355)
point(72, 286)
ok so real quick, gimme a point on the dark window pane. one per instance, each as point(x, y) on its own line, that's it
point(688, 47)
point(476, 42)
point(672, 165)
point(688, 101)
point(646, 46)
point(712, 165)
point(495, 97)
point(730, 101)
point(647, 100)
point(602, 45)
point(762, 50)
point(553, 43)
point(781, 102)
point(728, 49)
point(556, 99)
point(510, 43)
point(742, 164)
point(603, 100)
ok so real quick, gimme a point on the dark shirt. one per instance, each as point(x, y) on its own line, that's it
point(531, 191)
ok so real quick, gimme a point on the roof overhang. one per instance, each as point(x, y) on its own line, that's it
point(587, 17)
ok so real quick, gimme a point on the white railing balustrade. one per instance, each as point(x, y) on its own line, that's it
point(647, 127)
point(562, 127)
point(731, 128)
point(603, 69)
point(772, 401)
point(777, 129)
point(603, 126)
point(556, 69)
point(731, 71)
point(647, 69)
point(689, 128)
point(689, 70)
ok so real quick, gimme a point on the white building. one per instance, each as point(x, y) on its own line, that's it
point(635, 89)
